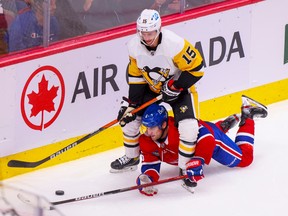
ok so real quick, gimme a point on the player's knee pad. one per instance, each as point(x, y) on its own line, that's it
point(132, 128)
point(188, 130)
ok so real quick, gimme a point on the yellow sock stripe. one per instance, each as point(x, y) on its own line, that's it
point(186, 149)
point(130, 141)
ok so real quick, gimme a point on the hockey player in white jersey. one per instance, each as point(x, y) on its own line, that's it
point(161, 62)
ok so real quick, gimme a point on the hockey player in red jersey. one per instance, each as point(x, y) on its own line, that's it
point(160, 142)
point(161, 62)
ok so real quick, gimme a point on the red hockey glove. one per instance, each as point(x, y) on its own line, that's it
point(144, 179)
point(194, 168)
point(169, 92)
point(124, 115)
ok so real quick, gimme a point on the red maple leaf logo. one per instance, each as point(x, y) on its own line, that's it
point(43, 100)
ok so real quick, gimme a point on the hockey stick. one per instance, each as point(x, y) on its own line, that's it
point(96, 195)
point(28, 164)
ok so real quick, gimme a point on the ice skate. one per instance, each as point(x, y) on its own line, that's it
point(186, 183)
point(124, 164)
point(252, 109)
point(230, 122)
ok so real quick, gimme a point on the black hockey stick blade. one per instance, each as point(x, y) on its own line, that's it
point(30, 164)
point(27, 164)
point(96, 195)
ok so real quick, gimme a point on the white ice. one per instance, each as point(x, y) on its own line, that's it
point(260, 189)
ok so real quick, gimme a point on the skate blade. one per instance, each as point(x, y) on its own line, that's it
point(253, 102)
point(126, 169)
point(189, 189)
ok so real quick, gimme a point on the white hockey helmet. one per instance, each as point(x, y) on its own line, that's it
point(149, 20)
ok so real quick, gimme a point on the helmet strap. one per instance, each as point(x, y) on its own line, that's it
point(149, 45)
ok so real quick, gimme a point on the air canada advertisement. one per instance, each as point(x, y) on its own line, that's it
point(57, 97)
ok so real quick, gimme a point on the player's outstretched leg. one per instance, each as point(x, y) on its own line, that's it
point(230, 122)
point(252, 109)
point(124, 164)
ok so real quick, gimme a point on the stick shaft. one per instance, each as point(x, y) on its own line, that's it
point(27, 164)
point(121, 190)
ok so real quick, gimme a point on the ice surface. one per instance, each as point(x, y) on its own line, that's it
point(260, 189)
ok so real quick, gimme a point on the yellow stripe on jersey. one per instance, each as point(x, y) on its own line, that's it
point(195, 100)
point(135, 75)
point(188, 58)
point(133, 69)
point(197, 73)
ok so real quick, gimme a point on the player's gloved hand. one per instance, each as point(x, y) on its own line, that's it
point(144, 179)
point(194, 168)
point(169, 92)
point(124, 115)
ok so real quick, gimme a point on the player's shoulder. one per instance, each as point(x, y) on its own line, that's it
point(144, 138)
point(171, 123)
point(133, 45)
point(172, 41)
point(171, 37)
point(146, 143)
point(133, 41)
point(171, 120)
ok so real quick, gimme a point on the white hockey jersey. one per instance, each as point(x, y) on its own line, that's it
point(172, 56)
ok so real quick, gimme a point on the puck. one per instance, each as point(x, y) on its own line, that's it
point(59, 192)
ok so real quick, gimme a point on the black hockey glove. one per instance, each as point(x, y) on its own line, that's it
point(124, 115)
point(169, 92)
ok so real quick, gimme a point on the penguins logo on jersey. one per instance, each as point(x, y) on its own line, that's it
point(183, 109)
point(155, 77)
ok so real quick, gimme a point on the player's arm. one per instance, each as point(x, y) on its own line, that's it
point(136, 91)
point(151, 163)
point(137, 84)
point(189, 61)
point(150, 168)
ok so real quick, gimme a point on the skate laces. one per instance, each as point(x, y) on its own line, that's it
point(253, 110)
point(124, 159)
point(246, 109)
